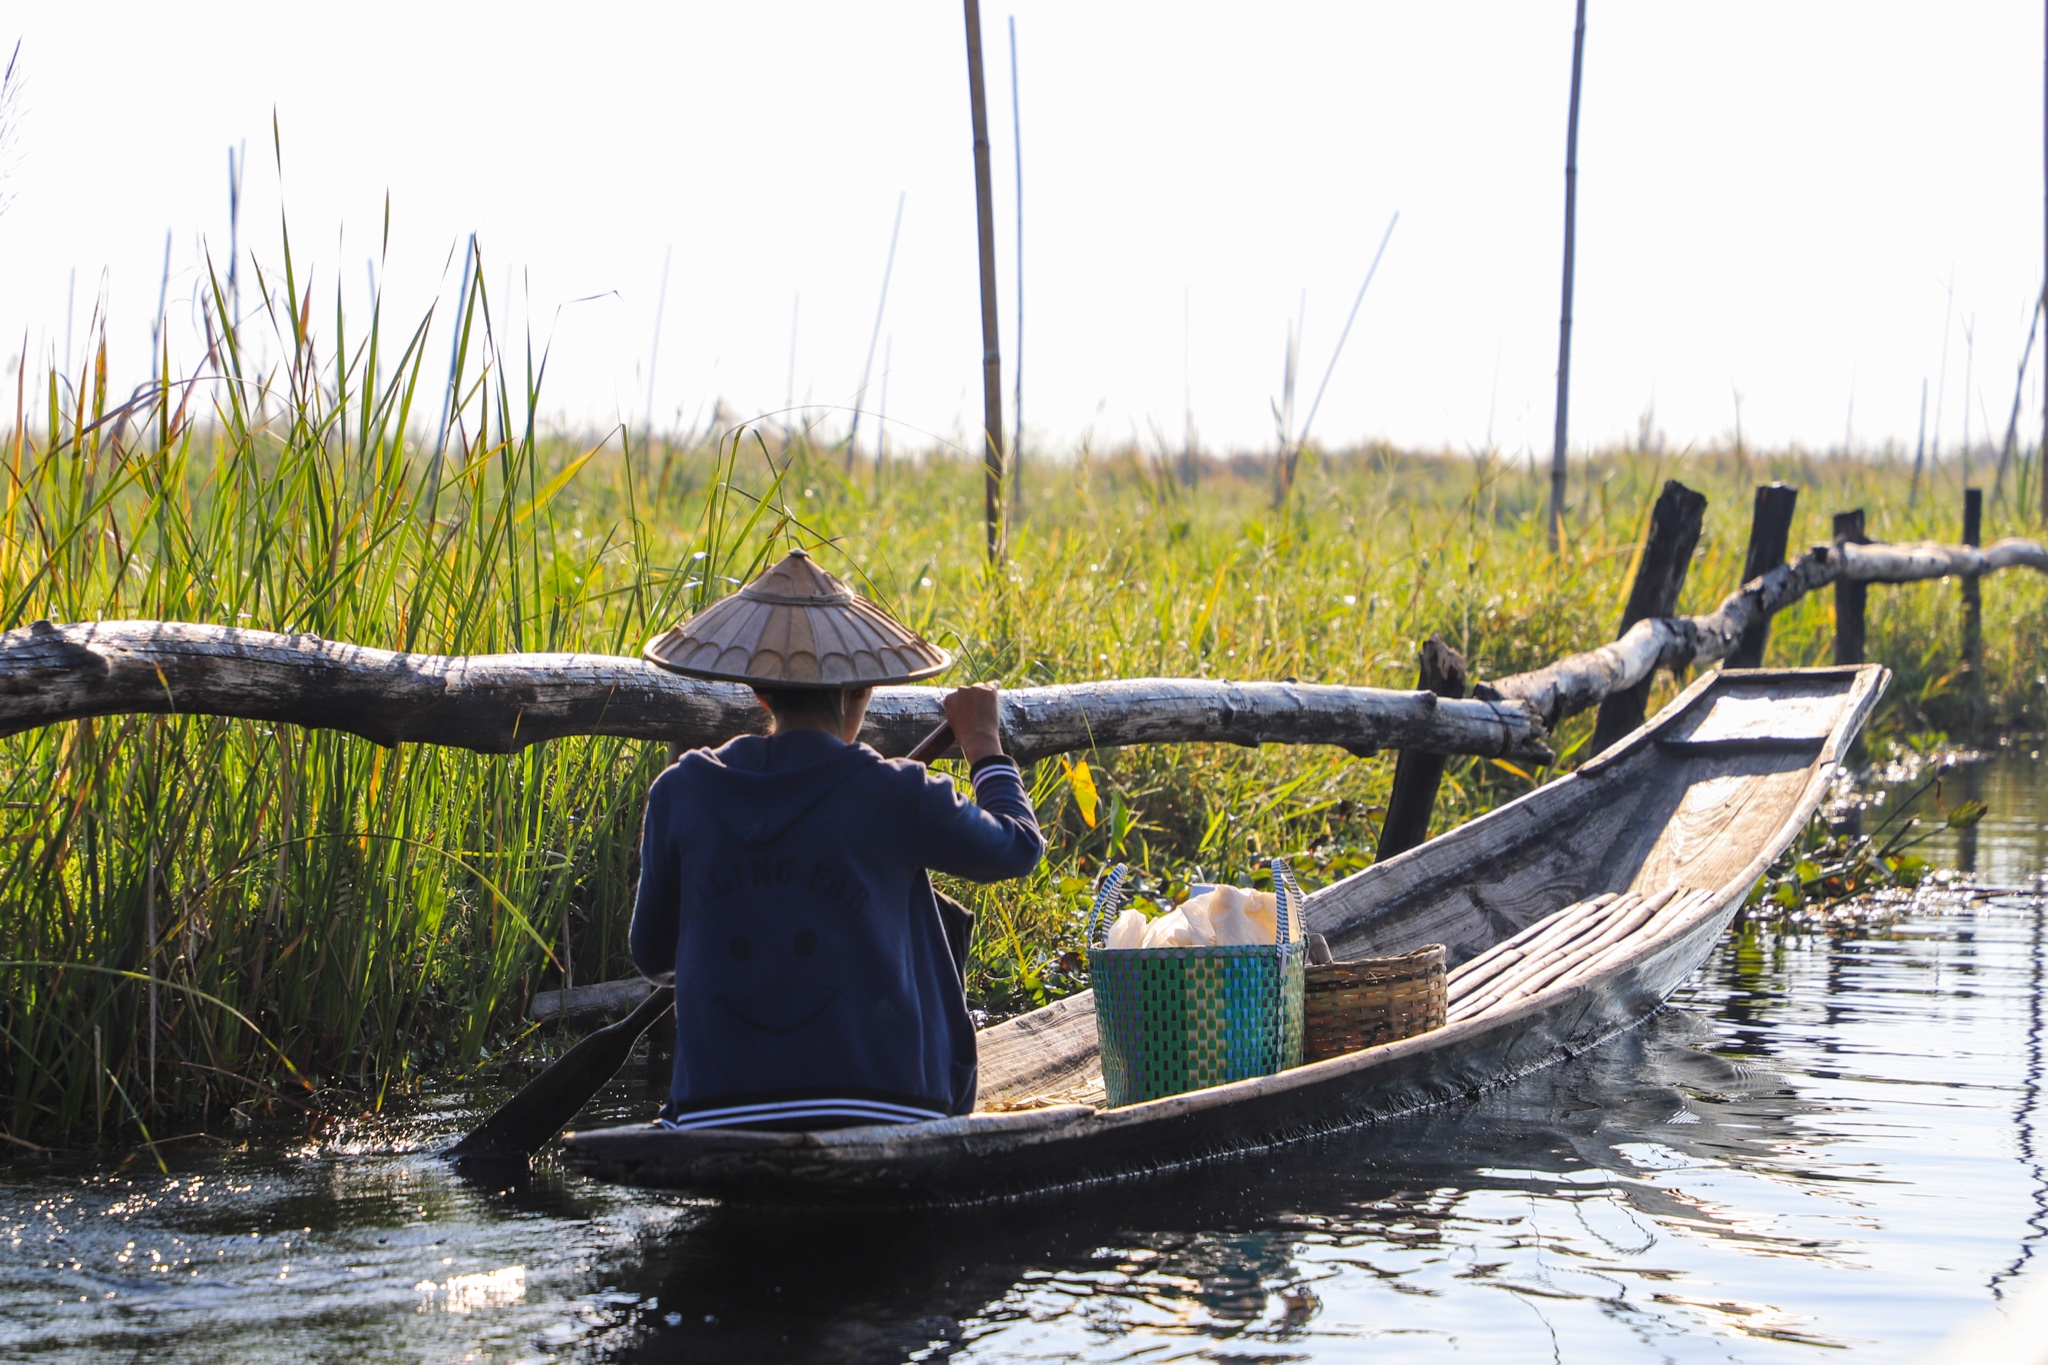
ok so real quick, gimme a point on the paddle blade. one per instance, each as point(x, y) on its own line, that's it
point(544, 1106)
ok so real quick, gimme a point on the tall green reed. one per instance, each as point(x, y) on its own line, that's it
point(200, 915)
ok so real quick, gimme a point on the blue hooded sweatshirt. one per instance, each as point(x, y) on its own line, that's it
point(783, 881)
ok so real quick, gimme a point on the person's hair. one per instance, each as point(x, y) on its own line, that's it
point(804, 703)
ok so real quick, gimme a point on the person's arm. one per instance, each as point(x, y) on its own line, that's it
point(657, 907)
point(995, 836)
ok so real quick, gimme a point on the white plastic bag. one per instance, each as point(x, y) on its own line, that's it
point(1219, 916)
point(1232, 915)
point(1129, 930)
point(1172, 930)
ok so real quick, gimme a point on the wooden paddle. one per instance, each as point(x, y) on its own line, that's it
point(933, 744)
point(545, 1105)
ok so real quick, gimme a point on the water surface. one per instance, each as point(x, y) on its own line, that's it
point(1831, 1140)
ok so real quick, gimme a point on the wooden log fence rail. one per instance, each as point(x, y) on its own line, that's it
point(1579, 681)
point(499, 703)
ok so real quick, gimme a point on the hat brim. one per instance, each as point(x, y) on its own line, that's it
point(648, 652)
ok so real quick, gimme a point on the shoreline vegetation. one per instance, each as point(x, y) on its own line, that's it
point(211, 920)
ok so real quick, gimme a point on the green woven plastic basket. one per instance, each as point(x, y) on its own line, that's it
point(1170, 1020)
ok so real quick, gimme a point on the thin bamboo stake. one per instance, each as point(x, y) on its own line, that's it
point(1301, 437)
point(789, 394)
point(1187, 386)
point(1283, 466)
point(1919, 449)
point(1564, 323)
point(860, 400)
point(2007, 452)
point(991, 344)
point(1948, 318)
point(238, 161)
point(1969, 387)
point(459, 335)
point(163, 299)
point(882, 408)
point(654, 350)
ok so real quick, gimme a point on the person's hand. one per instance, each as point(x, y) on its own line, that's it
point(976, 720)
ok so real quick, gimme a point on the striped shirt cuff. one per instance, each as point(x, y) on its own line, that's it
point(993, 763)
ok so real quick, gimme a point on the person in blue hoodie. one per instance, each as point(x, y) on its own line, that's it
point(784, 878)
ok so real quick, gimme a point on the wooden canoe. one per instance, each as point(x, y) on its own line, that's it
point(1702, 798)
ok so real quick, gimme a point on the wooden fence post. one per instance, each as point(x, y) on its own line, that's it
point(1416, 774)
point(1667, 553)
point(1973, 611)
point(1770, 526)
point(1850, 598)
point(1973, 591)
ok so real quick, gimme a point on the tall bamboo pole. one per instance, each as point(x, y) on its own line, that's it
point(1017, 363)
point(1564, 322)
point(991, 346)
point(2041, 461)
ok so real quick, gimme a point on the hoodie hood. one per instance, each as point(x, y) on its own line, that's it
point(760, 785)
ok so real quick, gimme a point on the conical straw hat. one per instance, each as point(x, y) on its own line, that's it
point(797, 626)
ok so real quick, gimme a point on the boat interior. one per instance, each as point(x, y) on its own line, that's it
point(1676, 821)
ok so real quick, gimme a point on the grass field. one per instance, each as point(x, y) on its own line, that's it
point(203, 917)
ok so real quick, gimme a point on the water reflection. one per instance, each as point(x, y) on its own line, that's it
point(1832, 1140)
point(2028, 1106)
point(1247, 1254)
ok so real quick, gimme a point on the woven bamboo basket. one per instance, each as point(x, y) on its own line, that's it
point(1351, 1005)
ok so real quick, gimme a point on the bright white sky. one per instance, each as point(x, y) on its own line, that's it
point(1777, 200)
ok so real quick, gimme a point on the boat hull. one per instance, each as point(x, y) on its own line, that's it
point(1712, 788)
